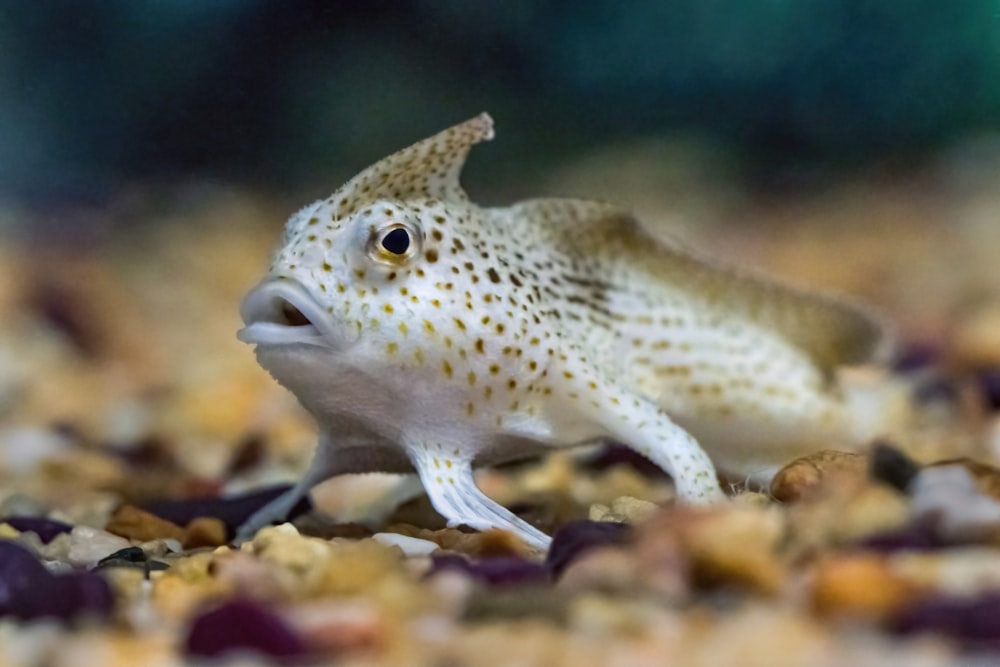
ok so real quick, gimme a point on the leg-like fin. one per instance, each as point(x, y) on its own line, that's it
point(452, 490)
point(647, 430)
point(324, 465)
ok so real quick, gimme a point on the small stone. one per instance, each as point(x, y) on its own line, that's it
point(625, 509)
point(89, 545)
point(974, 621)
point(126, 555)
point(859, 585)
point(986, 476)
point(607, 569)
point(204, 532)
point(340, 627)
point(136, 524)
point(499, 571)
point(231, 510)
point(948, 498)
point(46, 529)
point(808, 476)
point(725, 545)
point(576, 537)
point(29, 591)
point(411, 546)
point(892, 466)
point(242, 625)
point(22, 505)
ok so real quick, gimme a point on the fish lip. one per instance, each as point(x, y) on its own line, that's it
point(264, 324)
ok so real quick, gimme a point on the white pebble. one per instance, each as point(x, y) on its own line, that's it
point(89, 545)
point(411, 546)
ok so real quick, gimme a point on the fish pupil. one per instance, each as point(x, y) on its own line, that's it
point(397, 241)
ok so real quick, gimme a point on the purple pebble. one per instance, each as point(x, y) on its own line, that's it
point(242, 625)
point(67, 596)
point(576, 537)
point(917, 356)
point(989, 386)
point(20, 573)
point(974, 621)
point(46, 529)
point(29, 591)
point(232, 510)
point(915, 537)
point(496, 571)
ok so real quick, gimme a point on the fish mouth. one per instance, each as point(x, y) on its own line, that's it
point(282, 312)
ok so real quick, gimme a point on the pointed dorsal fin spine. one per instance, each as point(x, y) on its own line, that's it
point(429, 168)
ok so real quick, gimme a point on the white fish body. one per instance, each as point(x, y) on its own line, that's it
point(426, 333)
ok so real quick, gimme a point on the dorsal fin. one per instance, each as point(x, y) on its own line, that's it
point(832, 331)
point(429, 168)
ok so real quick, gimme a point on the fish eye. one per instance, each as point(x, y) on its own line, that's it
point(394, 243)
point(397, 241)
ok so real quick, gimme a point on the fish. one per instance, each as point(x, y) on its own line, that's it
point(427, 334)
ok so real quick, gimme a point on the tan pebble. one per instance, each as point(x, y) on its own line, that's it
point(497, 542)
point(600, 512)
point(843, 515)
point(493, 542)
point(188, 586)
point(612, 569)
point(633, 510)
point(964, 572)
point(756, 636)
point(597, 615)
point(810, 475)
point(204, 532)
point(623, 510)
point(176, 599)
point(874, 508)
point(135, 524)
point(976, 342)
point(726, 545)
point(752, 499)
point(859, 585)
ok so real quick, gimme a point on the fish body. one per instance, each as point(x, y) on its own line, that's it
point(426, 333)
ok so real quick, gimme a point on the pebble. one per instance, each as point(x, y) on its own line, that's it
point(411, 546)
point(89, 545)
point(859, 585)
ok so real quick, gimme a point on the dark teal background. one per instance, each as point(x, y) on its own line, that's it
point(96, 94)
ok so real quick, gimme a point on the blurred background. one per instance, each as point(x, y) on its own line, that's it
point(150, 151)
point(97, 95)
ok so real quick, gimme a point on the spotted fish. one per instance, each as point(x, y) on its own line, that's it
point(426, 333)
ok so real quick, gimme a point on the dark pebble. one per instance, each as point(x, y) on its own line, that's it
point(497, 571)
point(133, 557)
point(242, 625)
point(890, 465)
point(917, 356)
point(975, 622)
point(46, 529)
point(29, 591)
point(149, 452)
point(128, 555)
point(915, 537)
point(577, 537)
point(249, 454)
point(231, 510)
point(989, 388)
